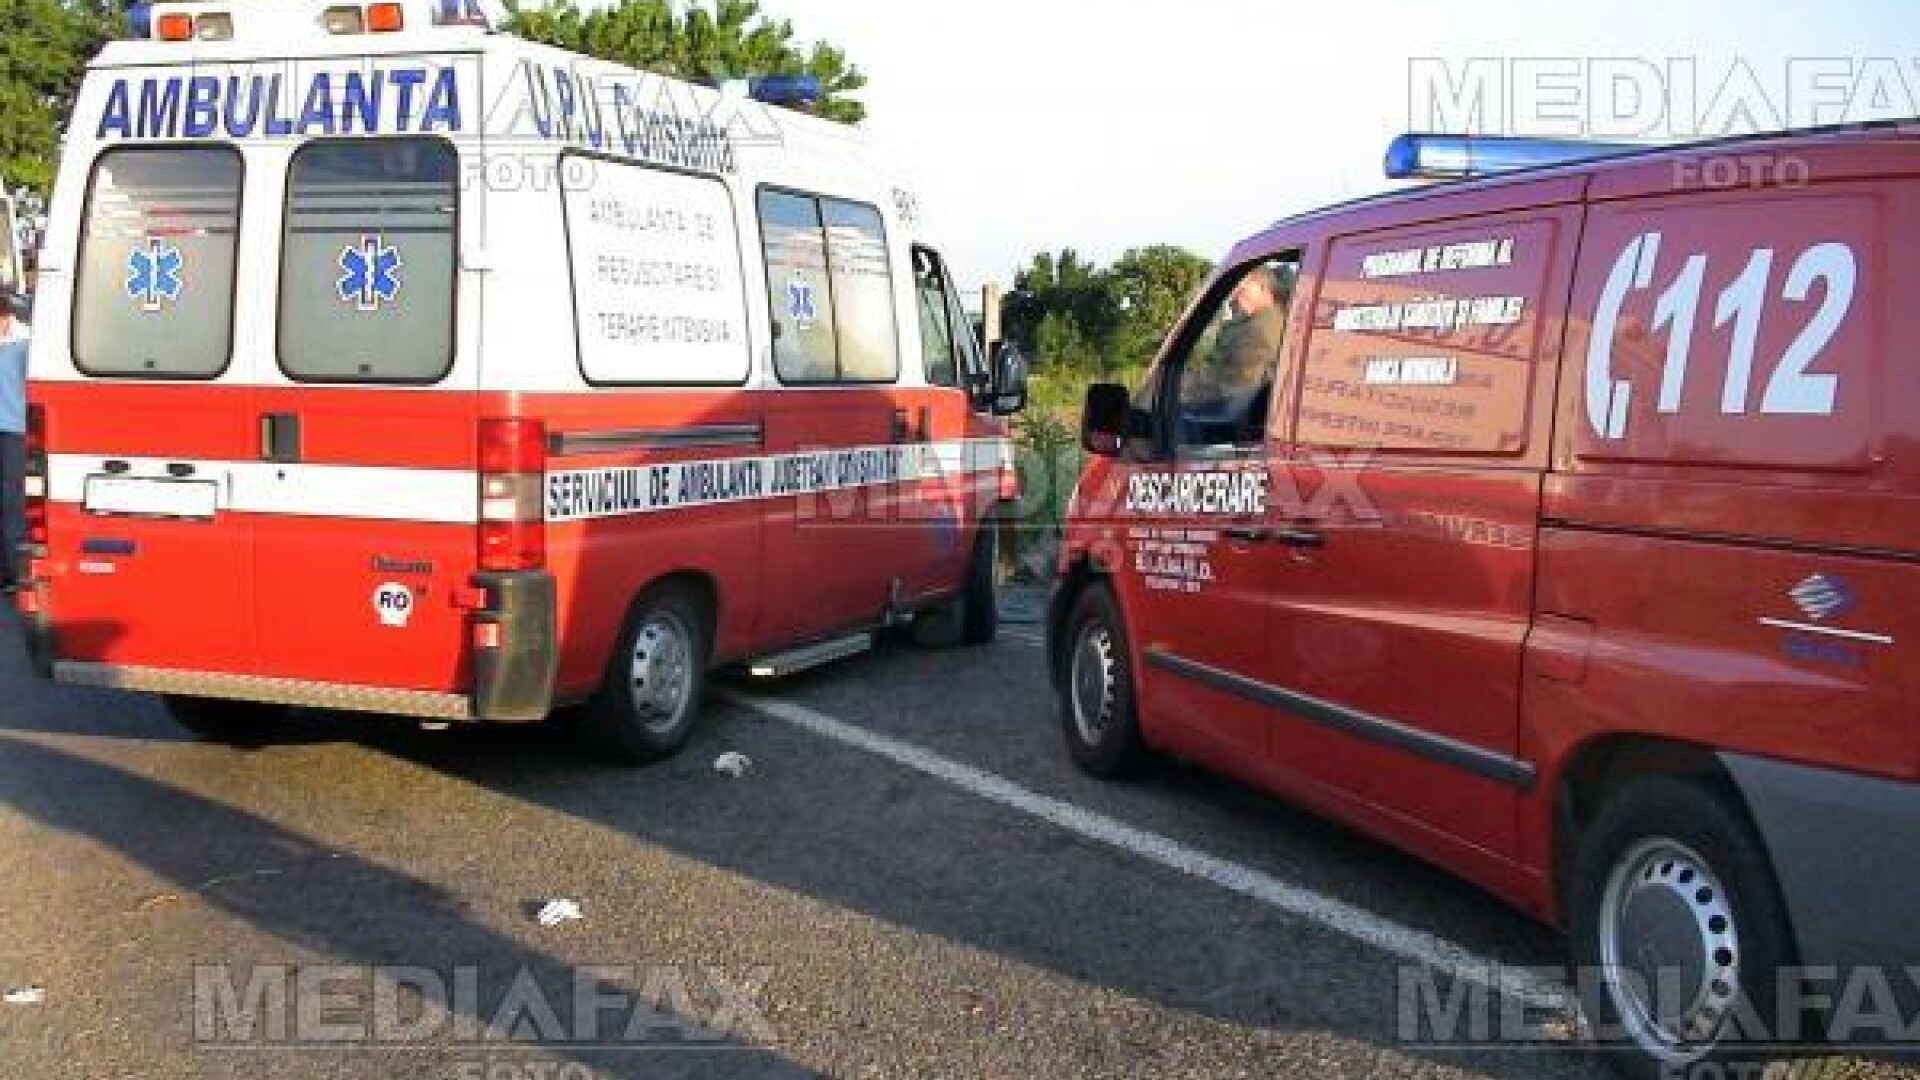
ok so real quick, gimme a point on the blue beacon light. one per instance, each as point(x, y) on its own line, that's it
point(1455, 157)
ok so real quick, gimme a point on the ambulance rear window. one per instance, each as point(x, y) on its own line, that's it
point(154, 295)
point(367, 263)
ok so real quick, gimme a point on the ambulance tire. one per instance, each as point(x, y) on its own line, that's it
point(1097, 710)
point(980, 604)
point(235, 723)
point(650, 696)
point(1676, 862)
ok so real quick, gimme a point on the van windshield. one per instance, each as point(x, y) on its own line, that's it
point(367, 271)
point(155, 288)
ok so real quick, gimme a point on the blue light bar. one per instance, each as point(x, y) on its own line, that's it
point(140, 20)
point(792, 91)
point(1456, 157)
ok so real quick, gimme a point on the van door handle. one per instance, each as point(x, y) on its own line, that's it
point(280, 438)
point(1248, 534)
point(1302, 538)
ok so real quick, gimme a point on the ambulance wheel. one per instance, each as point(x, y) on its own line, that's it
point(236, 723)
point(1095, 693)
point(646, 704)
point(980, 604)
point(1679, 935)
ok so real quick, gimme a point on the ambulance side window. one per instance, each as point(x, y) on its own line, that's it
point(938, 333)
point(862, 292)
point(1229, 369)
point(830, 288)
point(154, 295)
point(368, 260)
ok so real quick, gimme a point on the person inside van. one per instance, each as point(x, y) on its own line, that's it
point(1225, 389)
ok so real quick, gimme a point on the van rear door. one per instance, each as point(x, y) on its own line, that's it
point(150, 422)
point(368, 421)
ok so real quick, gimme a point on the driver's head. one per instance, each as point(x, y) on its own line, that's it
point(1254, 294)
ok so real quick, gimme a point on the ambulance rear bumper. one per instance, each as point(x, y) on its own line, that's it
point(296, 692)
point(512, 682)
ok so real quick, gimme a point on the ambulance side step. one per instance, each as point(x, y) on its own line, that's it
point(794, 661)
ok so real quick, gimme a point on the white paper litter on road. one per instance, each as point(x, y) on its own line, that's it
point(732, 764)
point(555, 912)
point(25, 995)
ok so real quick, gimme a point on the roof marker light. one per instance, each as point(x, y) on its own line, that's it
point(1456, 157)
point(386, 18)
point(174, 26)
point(345, 19)
point(214, 26)
point(140, 20)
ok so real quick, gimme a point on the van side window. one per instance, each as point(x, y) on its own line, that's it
point(367, 265)
point(938, 343)
point(1229, 369)
point(154, 295)
point(830, 287)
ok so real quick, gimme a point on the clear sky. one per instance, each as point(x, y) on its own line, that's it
point(1035, 124)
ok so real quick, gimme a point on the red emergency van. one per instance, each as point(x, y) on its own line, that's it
point(1561, 527)
point(383, 361)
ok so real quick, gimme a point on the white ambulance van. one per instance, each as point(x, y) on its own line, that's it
point(387, 362)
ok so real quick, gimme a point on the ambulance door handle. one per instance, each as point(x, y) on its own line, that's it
point(1249, 534)
point(902, 427)
point(280, 438)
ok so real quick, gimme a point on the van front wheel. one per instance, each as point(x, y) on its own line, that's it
point(1097, 711)
point(647, 702)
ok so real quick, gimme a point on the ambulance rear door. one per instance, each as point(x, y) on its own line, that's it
point(366, 419)
point(138, 363)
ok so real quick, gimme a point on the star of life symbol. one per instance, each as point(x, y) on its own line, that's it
point(370, 273)
point(155, 274)
point(800, 302)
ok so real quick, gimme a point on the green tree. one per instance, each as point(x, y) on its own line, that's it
point(1075, 318)
point(1153, 286)
point(44, 48)
point(734, 40)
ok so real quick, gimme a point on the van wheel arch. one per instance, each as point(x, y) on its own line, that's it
point(1079, 577)
point(1603, 767)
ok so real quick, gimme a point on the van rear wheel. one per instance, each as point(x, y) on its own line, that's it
point(1680, 937)
point(645, 708)
point(236, 723)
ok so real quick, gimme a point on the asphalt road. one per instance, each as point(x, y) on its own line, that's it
point(909, 881)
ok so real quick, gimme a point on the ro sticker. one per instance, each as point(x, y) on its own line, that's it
point(393, 602)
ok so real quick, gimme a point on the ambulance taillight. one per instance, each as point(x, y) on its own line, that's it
point(34, 483)
point(513, 465)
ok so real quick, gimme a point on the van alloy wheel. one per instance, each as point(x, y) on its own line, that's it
point(1093, 682)
point(1669, 949)
point(661, 671)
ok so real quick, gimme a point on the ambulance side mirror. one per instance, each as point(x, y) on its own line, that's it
point(1106, 420)
point(1009, 379)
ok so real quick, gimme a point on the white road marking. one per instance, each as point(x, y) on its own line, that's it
point(1376, 931)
